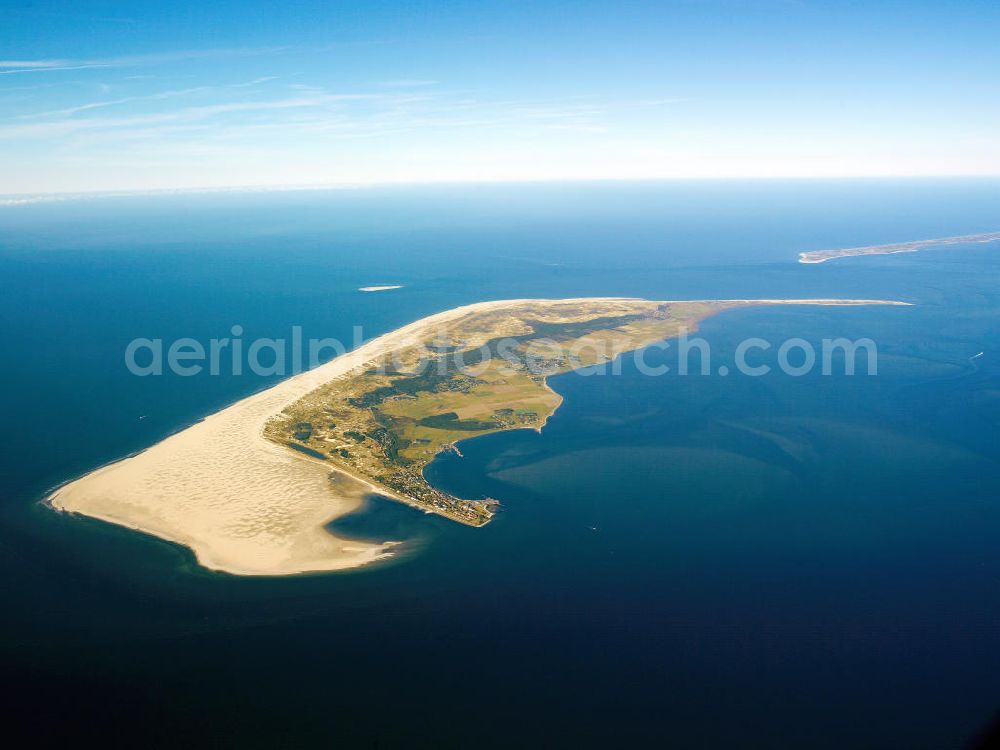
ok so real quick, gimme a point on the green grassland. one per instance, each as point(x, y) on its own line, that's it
point(484, 373)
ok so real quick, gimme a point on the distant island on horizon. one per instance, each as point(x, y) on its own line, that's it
point(821, 256)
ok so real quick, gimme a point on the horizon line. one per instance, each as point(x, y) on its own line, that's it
point(18, 199)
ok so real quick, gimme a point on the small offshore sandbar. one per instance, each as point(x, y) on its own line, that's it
point(821, 256)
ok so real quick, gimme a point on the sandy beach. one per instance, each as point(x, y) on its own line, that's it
point(245, 505)
point(822, 256)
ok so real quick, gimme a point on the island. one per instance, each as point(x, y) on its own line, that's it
point(821, 256)
point(251, 489)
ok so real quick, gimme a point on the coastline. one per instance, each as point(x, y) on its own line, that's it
point(822, 256)
point(213, 486)
point(245, 505)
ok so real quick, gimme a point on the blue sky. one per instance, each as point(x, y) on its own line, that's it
point(109, 96)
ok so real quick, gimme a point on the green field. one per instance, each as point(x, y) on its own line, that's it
point(485, 372)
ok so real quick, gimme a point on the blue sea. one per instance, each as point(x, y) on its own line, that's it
point(698, 561)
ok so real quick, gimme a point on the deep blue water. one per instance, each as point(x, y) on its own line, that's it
point(697, 561)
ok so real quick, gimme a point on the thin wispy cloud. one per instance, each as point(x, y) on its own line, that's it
point(407, 83)
point(115, 102)
point(157, 96)
point(126, 61)
point(256, 81)
point(34, 64)
point(70, 124)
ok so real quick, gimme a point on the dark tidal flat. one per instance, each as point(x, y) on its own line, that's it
point(683, 561)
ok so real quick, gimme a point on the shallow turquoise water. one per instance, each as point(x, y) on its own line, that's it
point(702, 560)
